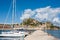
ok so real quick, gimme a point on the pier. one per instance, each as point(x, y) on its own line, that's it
point(40, 35)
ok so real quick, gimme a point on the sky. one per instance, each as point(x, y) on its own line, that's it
point(41, 10)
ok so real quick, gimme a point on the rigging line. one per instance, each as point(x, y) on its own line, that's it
point(7, 15)
point(12, 11)
point(15, 11)
point(13, 14)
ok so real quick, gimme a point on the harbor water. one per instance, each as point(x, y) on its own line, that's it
point(55, 33)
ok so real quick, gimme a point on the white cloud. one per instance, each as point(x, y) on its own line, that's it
point(56, 20)
point(27, 14)
point(43, 14)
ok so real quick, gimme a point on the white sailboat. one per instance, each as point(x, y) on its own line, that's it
point(13, 33)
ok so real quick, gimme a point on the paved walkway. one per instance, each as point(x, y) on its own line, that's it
point(40, 35)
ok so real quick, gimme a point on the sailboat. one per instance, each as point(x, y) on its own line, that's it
point(13, 33)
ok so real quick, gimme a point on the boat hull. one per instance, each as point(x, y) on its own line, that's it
point(12, 35)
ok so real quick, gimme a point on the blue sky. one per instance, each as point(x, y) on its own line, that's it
point(22, 5)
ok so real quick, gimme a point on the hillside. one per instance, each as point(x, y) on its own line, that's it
point(35, 23)
point(31, 22)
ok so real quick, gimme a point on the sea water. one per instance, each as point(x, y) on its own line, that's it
point(55, 33)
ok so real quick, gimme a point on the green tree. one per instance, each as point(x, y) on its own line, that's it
point(31, 22)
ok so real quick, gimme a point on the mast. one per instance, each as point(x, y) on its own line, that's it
point(13, 13)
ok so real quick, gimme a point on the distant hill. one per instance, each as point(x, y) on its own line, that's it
point(34, 22)
point(31, 22)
